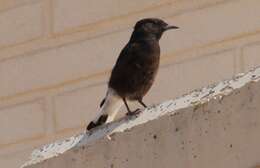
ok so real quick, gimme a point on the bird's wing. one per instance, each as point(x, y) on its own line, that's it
point(128, 67)
point(130, 56)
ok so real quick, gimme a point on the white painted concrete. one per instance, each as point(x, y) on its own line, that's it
point(217, 126)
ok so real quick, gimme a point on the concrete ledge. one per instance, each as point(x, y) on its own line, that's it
point(217, 126)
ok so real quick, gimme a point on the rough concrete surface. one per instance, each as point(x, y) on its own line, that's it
point(217, 126)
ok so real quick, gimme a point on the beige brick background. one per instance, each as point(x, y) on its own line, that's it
point(56, 55)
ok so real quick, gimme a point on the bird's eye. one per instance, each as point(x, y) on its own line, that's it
point(155, 22)
point(150, 24)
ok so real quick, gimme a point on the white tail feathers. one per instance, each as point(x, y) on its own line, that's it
point(111, 106)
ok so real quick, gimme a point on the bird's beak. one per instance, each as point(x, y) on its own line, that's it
point(168, 27)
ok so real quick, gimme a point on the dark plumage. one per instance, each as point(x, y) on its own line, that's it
point(138, 62)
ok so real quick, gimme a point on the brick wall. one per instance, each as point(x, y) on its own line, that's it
point(56, 55)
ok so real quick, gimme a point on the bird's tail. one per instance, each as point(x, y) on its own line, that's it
point(109, 107)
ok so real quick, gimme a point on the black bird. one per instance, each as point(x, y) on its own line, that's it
point(134, 71)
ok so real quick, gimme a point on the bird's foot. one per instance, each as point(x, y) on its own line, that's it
point(132, 113)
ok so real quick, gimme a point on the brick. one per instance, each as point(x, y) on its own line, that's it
point(61, 64)
point(251, 56)
point(22, 121)
point(70, 14)
point(192, 74)
point(21, 24)
point(15, 159)
point(6, 4)
point(76, 108)
point(211, 24)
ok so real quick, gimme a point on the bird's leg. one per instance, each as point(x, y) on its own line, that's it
point(129, 112)
point(127, 107)
point(142, 103)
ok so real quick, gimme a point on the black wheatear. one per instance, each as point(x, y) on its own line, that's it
point(134, 71)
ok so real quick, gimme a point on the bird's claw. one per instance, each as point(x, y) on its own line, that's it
point(132, 113)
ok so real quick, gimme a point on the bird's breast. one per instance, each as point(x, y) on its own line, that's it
point(152, 55)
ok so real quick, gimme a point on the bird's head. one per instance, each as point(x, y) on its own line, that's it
point(151, 27)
